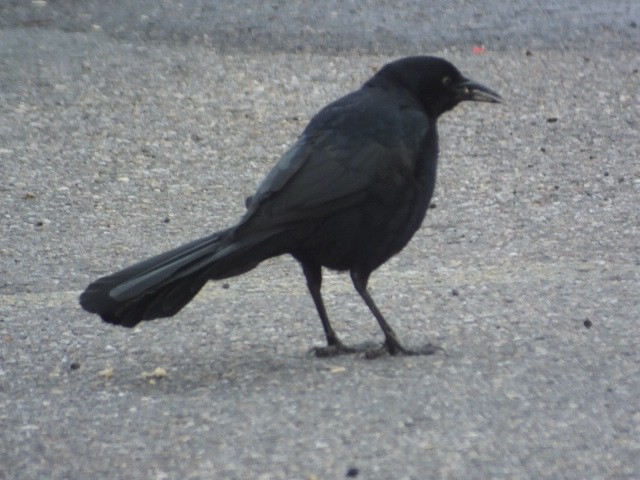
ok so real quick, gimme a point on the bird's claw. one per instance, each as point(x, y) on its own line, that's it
point(371, 350)
point(339, 348)
point(393, 347)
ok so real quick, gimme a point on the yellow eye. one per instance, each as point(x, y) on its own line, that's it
point(446, 81)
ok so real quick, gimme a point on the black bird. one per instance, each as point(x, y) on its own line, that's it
point(348, 195)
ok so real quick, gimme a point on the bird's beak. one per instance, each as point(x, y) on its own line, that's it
point(470, 90)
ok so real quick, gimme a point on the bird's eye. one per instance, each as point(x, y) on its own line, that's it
point(446, 81)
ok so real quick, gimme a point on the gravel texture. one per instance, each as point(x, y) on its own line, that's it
point(117, 142)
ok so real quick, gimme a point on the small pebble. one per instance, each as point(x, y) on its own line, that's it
point(352, 472)
point(106, 373)
point(43, 223)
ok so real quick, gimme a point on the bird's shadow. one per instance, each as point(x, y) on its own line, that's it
point(227, 369)
point(252, 368)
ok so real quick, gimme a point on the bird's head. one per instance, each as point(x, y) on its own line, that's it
point(435, 82)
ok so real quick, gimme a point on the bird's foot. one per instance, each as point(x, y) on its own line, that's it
point(339, 348)
point(393, 347)
point(371, 350)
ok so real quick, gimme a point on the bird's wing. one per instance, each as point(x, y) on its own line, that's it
point(361, 142)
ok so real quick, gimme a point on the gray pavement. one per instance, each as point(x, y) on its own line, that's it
point(125, 130)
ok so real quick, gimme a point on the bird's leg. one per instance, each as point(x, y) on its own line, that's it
point(313, 274)
point(391, 342)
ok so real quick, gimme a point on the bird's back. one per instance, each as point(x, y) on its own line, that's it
point(357, 184)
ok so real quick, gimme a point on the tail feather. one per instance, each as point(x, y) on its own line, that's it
point(162, 285)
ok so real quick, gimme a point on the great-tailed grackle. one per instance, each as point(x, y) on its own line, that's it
point(348, 195)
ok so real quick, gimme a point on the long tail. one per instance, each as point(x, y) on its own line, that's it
point(160, 286)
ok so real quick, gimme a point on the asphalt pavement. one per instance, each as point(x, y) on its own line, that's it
point(128, 129)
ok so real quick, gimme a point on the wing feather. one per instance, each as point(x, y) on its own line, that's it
point(357, 143)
